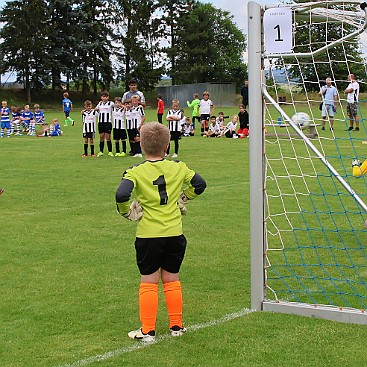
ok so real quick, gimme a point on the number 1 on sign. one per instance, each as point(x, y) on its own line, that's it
point(278, 30)
point(278, 39)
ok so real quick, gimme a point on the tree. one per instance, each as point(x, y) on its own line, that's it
point(209, 47)
point(93, 51)
point(62, 34)
point(24, 36)
point(137, 31)
point(173, 15)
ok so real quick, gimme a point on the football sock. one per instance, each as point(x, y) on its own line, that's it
point(138, 147)
point(117, 145)
point(109, 145)
point(173, 295)
point(124, 146)
point(101, 146)
point(176, 146)
point(66, 122)
point(148, 302)
point(92, 149)
point(86, 149)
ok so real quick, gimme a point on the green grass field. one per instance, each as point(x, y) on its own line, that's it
point(69, 283)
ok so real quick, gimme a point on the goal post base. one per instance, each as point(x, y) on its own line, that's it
point(346, 315)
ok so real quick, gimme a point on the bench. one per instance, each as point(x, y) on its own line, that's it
point(311, 133)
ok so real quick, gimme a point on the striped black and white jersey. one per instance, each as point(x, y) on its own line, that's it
point(129, 120)
point(105, 112)
point(89, 121)
point(174, 125)
point(118, 118)
point(134, 117)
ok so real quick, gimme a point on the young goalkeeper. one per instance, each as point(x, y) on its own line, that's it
point(358, 168)
point(160, 244)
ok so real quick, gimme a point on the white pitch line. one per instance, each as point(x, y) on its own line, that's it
point(140, 345)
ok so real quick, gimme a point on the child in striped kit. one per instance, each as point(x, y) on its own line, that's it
point(174, 117)
point(89, 117)
point(119, 132)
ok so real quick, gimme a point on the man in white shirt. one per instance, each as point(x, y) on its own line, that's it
point(352, 92)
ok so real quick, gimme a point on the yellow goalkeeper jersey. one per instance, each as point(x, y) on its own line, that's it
point(158, 185)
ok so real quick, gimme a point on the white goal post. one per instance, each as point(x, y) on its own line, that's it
point(308, 242)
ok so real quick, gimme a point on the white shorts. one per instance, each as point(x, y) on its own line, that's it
point(327, 110)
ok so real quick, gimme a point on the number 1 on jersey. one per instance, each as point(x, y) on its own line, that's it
point(161, 183)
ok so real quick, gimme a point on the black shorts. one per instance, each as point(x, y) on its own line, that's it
point(175, 135)
point(105, 127)
point(132, 133)
point(88, 135)
point(119, 134)
point(205, 117)
point(163, 252)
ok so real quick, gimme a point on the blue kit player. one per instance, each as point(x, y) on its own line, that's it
point(67, 106)
point(5, 120)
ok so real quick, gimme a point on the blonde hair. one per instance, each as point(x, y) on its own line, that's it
point(36, 105)
point(206, 93)
point(154, 138)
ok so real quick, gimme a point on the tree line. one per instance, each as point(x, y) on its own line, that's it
point(94, 43)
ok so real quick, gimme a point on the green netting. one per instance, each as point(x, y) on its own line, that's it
point(316, 239)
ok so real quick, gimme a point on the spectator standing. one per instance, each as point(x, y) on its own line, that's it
point(133, 91)
point(244, 93)
point(160, 108)
point(352, 92)
point(329, 96)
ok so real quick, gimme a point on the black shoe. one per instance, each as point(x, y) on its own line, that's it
point(356, 129)
point(323, 128)
point(350, 128)
point(331, 129)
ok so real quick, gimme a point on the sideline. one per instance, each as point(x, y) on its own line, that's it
point(140, 345)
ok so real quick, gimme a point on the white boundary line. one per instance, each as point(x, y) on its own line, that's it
point(140, 345)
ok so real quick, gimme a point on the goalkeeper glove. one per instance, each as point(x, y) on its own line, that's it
point(356, 162)
point(181, 202)
point(135, 213)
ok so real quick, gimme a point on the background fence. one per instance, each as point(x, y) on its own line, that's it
point(222, 94)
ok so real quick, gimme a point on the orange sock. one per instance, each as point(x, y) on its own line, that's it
point(173, 294)
point(148, 301)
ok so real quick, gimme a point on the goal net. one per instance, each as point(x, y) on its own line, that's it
point(308, 210)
